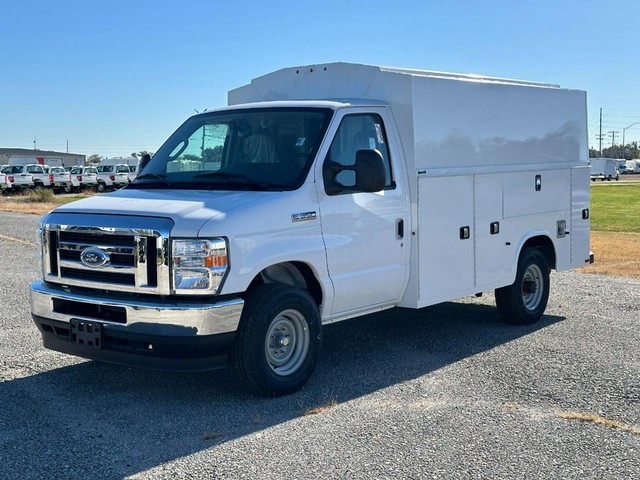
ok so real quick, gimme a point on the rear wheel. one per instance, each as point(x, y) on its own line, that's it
point(101, 187)
point(278, 342)
point(525, 301)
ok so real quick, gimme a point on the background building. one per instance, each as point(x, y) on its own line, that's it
point(41, 156)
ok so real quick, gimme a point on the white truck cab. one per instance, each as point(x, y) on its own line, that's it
point(321, 193)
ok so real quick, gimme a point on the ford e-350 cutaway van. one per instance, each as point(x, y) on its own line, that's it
point(320, 193)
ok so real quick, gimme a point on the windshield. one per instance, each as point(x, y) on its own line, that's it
point(105, 168)
point(256, 149)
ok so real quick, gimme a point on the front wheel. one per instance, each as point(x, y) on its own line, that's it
point(525, 301)
point(278, 342)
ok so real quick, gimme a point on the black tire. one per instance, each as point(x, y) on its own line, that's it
point(524, 302)
point(101, 187)
point(67, 189)
point(278, 341)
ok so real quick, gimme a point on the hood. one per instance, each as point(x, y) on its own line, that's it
point(189, 209)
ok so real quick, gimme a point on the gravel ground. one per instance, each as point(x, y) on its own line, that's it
point(445, 392)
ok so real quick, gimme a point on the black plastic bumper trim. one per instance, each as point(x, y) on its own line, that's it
point(157, 352)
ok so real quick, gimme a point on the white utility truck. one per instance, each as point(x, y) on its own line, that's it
point(604, 169)
point(633, 166)
point(321, 193)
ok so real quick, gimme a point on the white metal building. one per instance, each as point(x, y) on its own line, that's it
point(41, 156)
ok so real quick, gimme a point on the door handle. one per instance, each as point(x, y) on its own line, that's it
point(399, 228)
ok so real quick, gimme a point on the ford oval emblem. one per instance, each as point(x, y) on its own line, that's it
point(94, 257)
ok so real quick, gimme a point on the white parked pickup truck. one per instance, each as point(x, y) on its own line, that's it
point(83, 177)
point(61, 180)
point(5, 184)
point(112, 176)
point(256, 225)
point(41, 177)
point(18, 176)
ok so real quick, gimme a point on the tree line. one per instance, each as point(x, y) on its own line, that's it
point(627, 152)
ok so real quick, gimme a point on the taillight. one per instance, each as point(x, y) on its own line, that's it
point(50, 178)
point(79, 177)
point(11, 178)
point(112, 177)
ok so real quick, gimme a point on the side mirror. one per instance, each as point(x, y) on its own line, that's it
point(370, 172)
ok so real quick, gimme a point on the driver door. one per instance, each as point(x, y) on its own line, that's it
point(364, 233)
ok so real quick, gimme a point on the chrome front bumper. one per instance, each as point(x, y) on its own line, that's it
point(160, 317)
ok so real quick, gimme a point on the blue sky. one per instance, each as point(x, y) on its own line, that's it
point(114, 77)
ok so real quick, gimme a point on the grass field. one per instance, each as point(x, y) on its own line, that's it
point(615, 208)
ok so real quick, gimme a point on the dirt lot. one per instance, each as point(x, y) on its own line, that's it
point(616, 254)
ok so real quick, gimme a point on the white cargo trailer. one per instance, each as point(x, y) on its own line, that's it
point(321, 193)
point(604, 169)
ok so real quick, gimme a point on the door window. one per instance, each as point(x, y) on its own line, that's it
point(356, 132)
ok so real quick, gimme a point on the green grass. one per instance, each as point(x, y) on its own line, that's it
point(615, 208)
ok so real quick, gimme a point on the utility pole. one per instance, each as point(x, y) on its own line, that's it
point(34, 143)
point(613, 138)
point(600, 135)
point(67, 146)
point(623, 132)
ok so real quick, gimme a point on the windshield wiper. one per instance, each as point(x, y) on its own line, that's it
point(234, 176)
point(161, 177)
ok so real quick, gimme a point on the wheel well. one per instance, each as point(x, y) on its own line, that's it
point(297, 274)
point(546, 247)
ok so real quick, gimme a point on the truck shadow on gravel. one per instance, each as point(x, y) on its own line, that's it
point(117, 421)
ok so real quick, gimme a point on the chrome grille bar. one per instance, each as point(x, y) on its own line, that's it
point(136, 248)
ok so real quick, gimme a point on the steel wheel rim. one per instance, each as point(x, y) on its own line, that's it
point(532, 287)
point(287, 342)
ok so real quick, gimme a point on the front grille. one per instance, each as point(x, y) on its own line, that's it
point(96, 276)
point(87, 238)
point(121, 258)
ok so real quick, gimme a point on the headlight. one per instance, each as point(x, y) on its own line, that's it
point(198, 265)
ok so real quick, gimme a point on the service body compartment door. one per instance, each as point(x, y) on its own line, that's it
point(494, 252)
point(445, 257)
point(580, 226)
